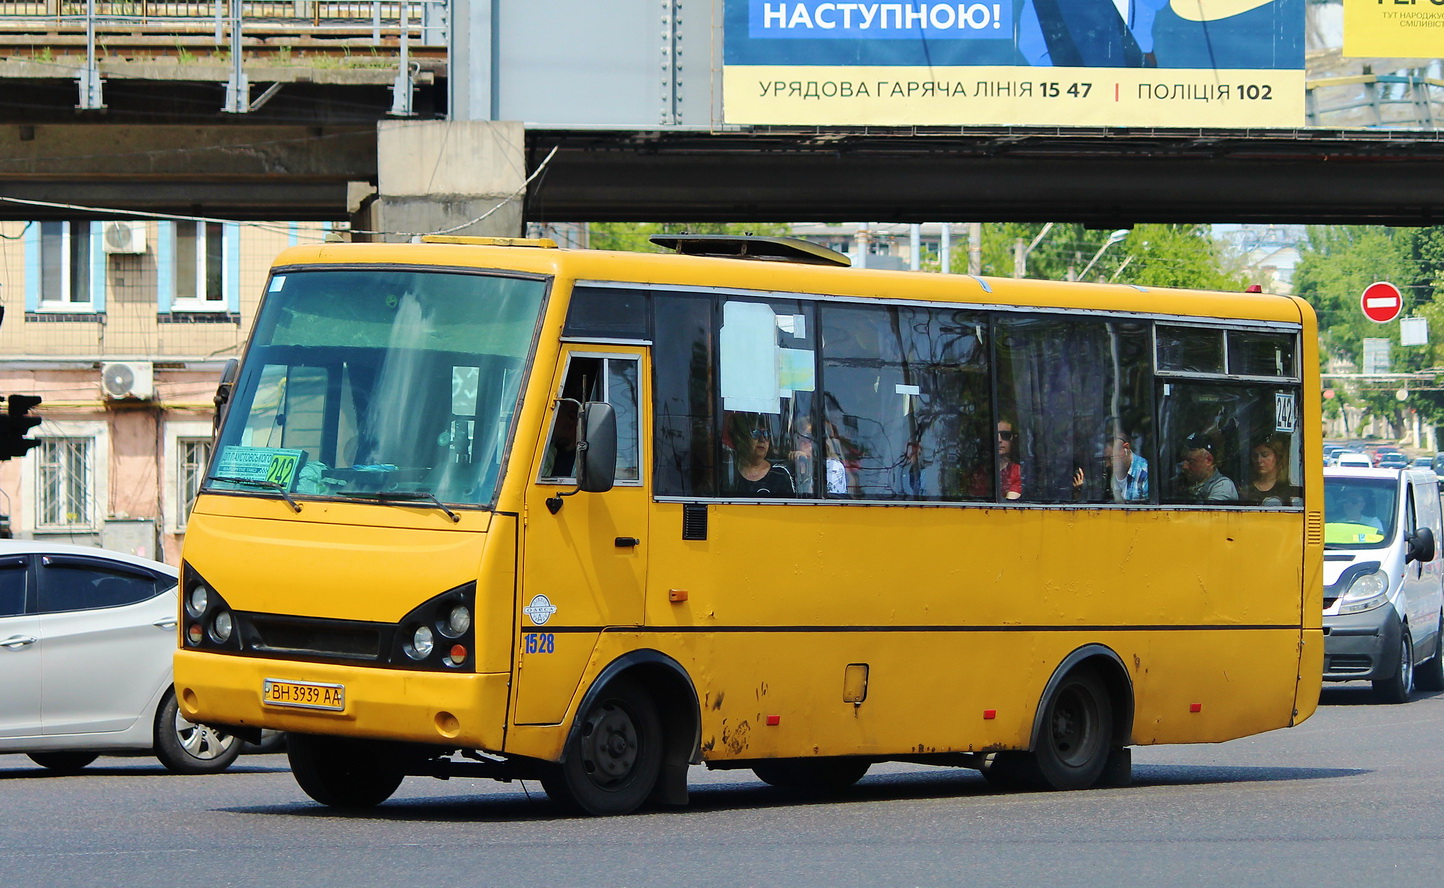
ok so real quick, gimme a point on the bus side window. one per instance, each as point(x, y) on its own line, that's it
point(1070, 386)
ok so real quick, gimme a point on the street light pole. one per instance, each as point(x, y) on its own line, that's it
point(1020, 253)
point(1113, 238)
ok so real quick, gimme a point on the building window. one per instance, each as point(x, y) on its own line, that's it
point(198, 268)
point(192, 456)
point(200, 255)
point(187, 453)
point(64, 267)
point(63, 483)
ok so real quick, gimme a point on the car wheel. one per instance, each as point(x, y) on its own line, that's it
point(185, 747)
point(613, 757)
point(63, 762)
point(1430, 675)
point(823, 776)
point(1398, 687)
point(343, 772)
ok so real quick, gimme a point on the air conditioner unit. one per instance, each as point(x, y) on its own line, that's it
point(129, 380)
point(125, 237)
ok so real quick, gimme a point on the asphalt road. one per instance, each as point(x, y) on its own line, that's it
point(1350, 798)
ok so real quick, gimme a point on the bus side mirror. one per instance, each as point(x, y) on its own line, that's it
point(597, 448)
point(222, 398)
point(1421, 547)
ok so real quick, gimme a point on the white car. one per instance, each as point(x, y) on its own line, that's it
point(86, 641)
point(1350, 459)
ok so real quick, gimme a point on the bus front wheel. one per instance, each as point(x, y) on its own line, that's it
point(1077, 734)
point(613, 756)
point(342, 772)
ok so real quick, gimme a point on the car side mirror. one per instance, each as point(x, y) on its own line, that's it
point(1421, 545)
point(597, 448)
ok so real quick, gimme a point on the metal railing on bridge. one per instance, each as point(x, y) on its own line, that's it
point(392, 33)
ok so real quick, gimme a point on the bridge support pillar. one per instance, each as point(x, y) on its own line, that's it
point(463, 177)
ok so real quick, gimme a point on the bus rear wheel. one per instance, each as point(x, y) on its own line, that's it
point(342, 772)
point(1077, 734)
point(613, 756)
point(819, 776)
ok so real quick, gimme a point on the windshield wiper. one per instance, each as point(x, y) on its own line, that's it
point(257, 482)
point(409, 496)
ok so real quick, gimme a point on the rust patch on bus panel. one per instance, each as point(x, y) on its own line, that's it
point(735, 739)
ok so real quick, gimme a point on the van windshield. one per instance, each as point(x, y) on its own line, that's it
point(1359, 512)
point(379, 383)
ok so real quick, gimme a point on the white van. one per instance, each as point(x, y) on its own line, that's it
point(1383, 598)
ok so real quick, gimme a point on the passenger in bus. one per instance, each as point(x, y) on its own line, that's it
point(1205, 482)
point(1127, 472)
point(910, 472)
point(1010, 471)
point(803, 452)
point(1270, 483)
point(753, 474)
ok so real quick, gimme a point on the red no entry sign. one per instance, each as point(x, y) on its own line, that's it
point(1382, 302)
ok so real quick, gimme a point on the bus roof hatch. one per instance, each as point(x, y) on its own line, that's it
point(737, 246)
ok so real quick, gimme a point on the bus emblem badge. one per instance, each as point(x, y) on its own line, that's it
point(540, 610)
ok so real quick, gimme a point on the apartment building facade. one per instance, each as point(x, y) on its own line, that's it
point(123, 327)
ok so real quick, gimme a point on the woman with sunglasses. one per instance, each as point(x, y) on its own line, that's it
point(1010, 472)
point(753, 474)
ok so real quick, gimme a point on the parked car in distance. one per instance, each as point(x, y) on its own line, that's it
point(1353, 460)
point(1423, 462)
point(1393, 459)
point(1383, 580)
point(1331, 452)
point(86, 641)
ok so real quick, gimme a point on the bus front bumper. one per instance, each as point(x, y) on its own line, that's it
point(463, 711)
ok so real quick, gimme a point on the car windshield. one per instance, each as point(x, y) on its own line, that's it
point(1359, 512)
point(379, 383)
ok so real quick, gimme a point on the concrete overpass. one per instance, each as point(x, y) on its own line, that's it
point(491, 92)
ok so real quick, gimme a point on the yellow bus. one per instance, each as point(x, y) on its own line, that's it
point(512, 511)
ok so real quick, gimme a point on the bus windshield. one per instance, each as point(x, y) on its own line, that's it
point(1359, 512)
point(380, 383)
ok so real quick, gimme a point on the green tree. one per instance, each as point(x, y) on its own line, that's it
point(1334, 268)
point(1149, 256)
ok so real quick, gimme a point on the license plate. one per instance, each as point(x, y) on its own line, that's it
point(304, 694)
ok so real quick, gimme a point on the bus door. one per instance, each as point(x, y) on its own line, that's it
point(584, 566)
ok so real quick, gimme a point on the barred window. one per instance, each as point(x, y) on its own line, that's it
point(63, 492)
point(192, 455)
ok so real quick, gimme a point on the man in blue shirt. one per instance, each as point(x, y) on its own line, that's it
point(1129, 483)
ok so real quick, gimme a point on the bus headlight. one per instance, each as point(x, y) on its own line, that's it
point(423, 642)
point(457, 622)
point(197, 599)
point(221, 627)
point(1366, 592)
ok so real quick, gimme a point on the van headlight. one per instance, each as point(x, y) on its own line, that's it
point(1366, 592)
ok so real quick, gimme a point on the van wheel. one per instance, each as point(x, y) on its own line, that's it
point(812, 776)
point(1077, 735)
point(1430, 676)
point(341, 771)
point(63, 762)
point(614, 754)
point(1397, 687)
point(185, 747)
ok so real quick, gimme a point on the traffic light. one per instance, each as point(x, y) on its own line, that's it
point(15, 423)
